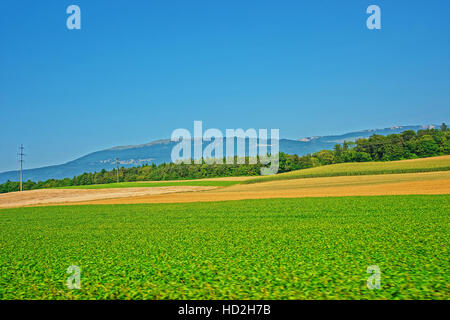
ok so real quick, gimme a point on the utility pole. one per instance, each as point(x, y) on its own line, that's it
point(21, 167)
point(117, 169)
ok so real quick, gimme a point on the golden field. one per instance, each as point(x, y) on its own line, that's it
point(440, 163)
point(370, 185)
point(334, 180)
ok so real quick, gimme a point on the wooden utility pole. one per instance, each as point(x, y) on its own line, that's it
point(21, 167)
point(117, 169)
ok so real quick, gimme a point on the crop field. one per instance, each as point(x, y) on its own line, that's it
point(64, 196)
point(370, 185)
point(303, 248)
point(441, 163)
point(154, 184)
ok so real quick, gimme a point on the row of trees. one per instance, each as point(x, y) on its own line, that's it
point(165, 171)
point(406, 145)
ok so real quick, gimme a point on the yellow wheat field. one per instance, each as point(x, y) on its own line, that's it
point(368, 185)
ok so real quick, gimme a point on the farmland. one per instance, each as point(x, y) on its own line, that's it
point(304, 248)
point(154, 184)
point(360, 185)
point(309, 234)
point(432, 164)
point(176, 192)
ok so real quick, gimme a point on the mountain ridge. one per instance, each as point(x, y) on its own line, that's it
point(159, 151)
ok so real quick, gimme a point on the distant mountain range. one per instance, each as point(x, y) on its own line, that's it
point(160, 151)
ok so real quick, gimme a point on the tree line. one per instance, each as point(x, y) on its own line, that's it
point(406, 145)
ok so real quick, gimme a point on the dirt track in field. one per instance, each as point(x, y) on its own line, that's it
point(243, 178)
point(69, 196)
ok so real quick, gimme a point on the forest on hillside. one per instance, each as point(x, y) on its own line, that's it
point(406, 145)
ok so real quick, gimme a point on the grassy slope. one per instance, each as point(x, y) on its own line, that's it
point(154, 184)
point(276, 249)
point(441, 163)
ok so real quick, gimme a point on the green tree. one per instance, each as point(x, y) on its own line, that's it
point(427, 146)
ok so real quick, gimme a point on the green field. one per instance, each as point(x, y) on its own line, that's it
point(308, 248)
point(215, 183)
point(441, 163)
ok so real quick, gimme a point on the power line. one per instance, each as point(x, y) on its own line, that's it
point(21, 167)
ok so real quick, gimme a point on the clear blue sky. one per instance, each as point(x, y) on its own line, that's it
point(137, 70)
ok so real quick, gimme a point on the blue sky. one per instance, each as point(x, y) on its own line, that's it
point(137, 70)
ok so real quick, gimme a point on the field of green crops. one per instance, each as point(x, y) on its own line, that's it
point(441, 163)
point(216, 183)
point(308, 248)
